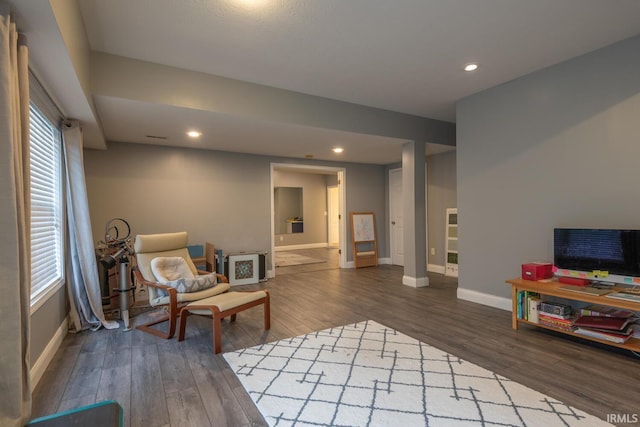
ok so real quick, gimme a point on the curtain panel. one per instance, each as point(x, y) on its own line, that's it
point(15, 265)
point(85, 298)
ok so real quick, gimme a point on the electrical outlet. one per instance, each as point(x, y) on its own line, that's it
point(433, 251)
point(281, 238)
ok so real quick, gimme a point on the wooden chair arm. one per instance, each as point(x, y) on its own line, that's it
point(172, 312)
point(141, 280)
point(221, 277)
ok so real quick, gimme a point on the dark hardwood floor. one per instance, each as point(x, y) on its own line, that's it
point(166, 383)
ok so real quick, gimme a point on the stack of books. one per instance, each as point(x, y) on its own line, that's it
point(607, 328)
point(556, 315)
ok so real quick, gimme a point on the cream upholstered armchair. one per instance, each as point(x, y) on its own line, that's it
point(164, 266)
point(152, 246)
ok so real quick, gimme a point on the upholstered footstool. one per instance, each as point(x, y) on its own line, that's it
point(221, 306)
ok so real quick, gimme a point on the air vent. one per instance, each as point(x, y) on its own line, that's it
point(156, 137)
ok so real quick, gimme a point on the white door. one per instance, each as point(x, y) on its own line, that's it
point(333, 216)
point(395, 215)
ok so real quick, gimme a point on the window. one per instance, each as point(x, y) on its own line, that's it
point(46, 206)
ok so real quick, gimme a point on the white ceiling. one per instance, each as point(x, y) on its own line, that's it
point(399, 55)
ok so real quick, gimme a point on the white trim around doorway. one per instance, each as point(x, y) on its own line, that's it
point(342, 185)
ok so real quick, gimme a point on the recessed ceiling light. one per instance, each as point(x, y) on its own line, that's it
point(338, 150)
point(472, 66)
point(194, 134)
point(252, 4)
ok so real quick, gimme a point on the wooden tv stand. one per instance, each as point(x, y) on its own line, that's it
point(553, 289)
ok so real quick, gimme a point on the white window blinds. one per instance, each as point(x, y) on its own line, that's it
point(46, 205)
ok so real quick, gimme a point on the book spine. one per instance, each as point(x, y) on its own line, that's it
point(519, 306)
point(534, 303)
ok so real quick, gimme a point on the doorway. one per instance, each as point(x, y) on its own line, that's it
point(334, 200)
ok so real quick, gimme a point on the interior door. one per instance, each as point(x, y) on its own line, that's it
point(333, 216)
point(396, 218)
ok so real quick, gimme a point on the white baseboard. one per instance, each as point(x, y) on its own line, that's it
point(348, 264)
point(304, 246)
point(38, 368)
point(385, 261)
point(485, 299)
point(416, 282)
point(435, 268)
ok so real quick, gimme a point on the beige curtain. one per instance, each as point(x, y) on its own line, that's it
point(85, 298)
point(15, 265)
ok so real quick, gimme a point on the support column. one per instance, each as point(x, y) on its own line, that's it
point(415, 214)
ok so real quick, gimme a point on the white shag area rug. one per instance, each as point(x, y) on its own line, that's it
point(284, 259)
point(367, 374)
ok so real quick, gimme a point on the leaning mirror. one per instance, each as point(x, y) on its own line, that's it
point(288, 210)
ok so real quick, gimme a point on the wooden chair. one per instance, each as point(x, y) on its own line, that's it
point(148, 247)
point(217, 302)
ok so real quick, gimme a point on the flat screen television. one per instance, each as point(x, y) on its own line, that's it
point(604, 254)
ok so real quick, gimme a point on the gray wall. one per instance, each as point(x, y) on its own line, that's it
point(367, 192)
point(441, 194)
point(45, 322)
point(558, 147)
point(221, 197)
point(214, 196)
point(314, 206)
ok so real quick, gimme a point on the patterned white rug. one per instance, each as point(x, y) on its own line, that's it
point(284, 259)
point(366, 374)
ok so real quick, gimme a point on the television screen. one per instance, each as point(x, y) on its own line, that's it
point(615, 252)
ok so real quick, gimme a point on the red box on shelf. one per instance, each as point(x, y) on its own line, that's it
point(575, 281)
point(537, 271)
